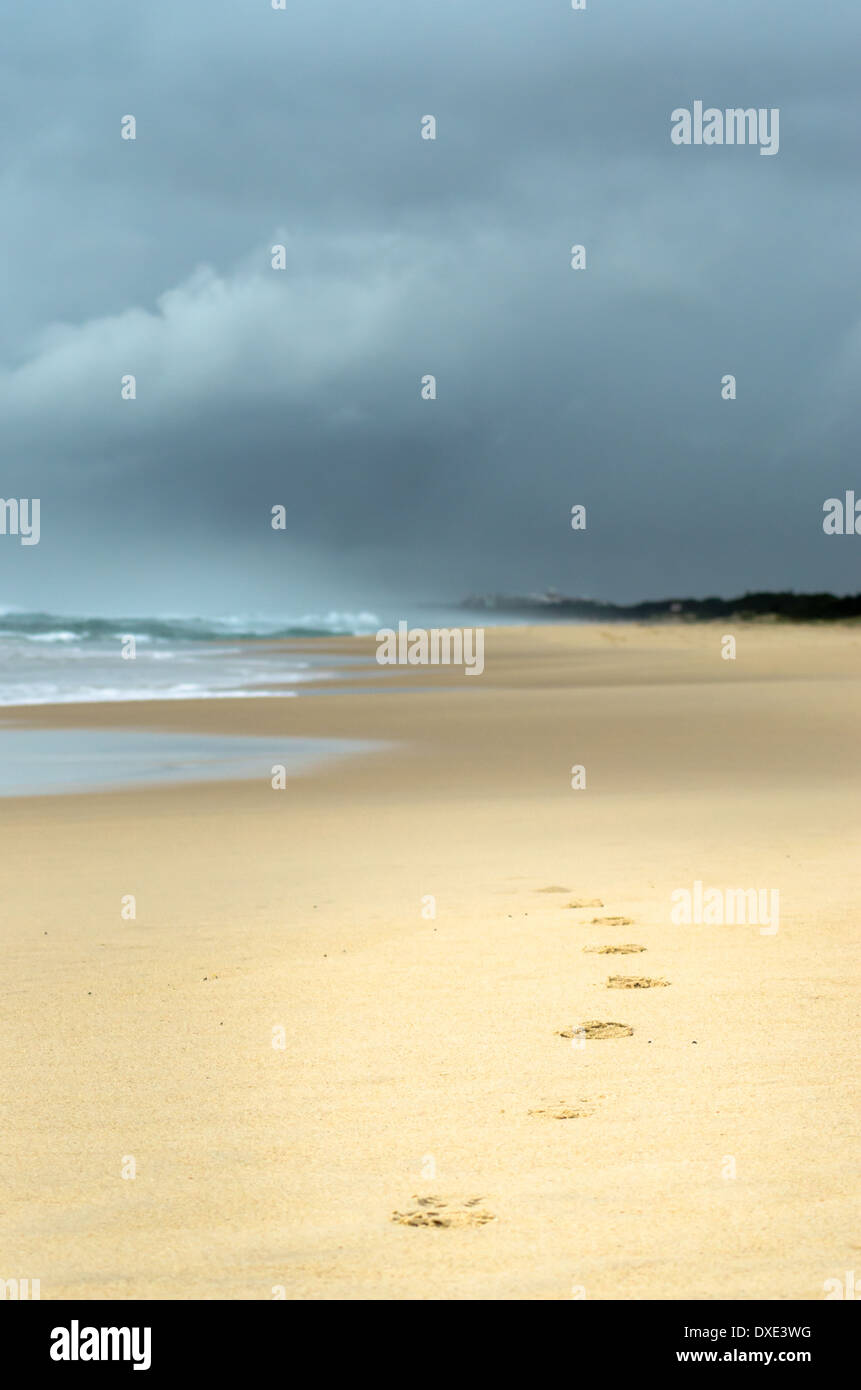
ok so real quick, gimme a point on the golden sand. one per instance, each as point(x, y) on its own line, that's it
point(390, 1147)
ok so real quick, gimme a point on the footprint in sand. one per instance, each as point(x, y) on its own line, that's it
point(554, 888)
point(578, 1111)
point(628, 949)
point(612, 922)
point(586, 902)
point(444, 1211)
point(634, 982)
point(594, 1029)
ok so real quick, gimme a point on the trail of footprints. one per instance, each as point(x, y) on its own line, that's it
point(596, 1029)
point(458, 1212)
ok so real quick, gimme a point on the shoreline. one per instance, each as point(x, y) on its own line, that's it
point(421, 1055)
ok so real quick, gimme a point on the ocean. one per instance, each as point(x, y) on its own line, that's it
point(61, 659)
point(57, 659)
point(54, 659)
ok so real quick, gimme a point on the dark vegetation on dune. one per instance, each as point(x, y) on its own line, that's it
point(788, 607)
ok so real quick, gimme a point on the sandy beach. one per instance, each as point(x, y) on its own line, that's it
point(293, 1049)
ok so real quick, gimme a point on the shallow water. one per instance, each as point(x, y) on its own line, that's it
point(41, 762)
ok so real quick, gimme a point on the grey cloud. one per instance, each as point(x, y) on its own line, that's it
point(407, 257)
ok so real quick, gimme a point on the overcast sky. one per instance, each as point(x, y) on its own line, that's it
point(408, 256)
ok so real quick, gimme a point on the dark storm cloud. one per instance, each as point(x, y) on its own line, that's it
point(407, 257)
